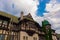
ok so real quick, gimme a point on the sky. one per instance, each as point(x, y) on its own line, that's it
point(39, 9)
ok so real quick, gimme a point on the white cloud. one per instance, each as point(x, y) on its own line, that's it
point(31, 6)
point(54, 14)
point(58, 31)
point(28, 6)
point(1, 5)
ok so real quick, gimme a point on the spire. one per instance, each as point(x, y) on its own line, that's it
point(29, 15)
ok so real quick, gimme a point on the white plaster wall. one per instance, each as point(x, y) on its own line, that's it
point(22, 33)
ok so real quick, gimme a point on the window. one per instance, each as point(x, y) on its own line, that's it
point(6, 37)
point(4, 31)
point(32, 25)
point(11, 37)
point(25, 38)
point(1, 31)
point(34, 38)
point(0, 21)
point(5, 23)
point(2, 37)
point(26, 24)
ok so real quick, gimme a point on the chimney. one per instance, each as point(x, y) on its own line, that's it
point(21, 15)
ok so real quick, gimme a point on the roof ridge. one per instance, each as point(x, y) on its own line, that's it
point(8, 13)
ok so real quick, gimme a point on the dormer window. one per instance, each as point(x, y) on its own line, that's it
point(4, 24)
point(27, 24)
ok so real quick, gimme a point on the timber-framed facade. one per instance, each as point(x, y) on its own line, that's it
point(22, 28)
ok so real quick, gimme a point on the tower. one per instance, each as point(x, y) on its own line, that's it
point(47, 29)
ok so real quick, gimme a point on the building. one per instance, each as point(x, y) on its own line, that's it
point(58, 36)
point(22, 28)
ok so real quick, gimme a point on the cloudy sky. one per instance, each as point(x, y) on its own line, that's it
point(39, 9)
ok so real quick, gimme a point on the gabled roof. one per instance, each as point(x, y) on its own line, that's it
point(27, 17)
point(14, 18)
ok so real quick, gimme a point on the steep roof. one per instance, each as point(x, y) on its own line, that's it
point(14, 18)
point(28, 17)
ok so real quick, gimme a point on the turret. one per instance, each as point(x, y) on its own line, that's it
point(46, 24)
point(47, 29)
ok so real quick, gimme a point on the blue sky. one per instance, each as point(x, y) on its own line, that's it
point(39, 9)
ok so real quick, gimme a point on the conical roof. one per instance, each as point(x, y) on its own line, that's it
point(45, 22)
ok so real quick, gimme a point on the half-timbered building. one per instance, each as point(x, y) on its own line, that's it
point(20, 28)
